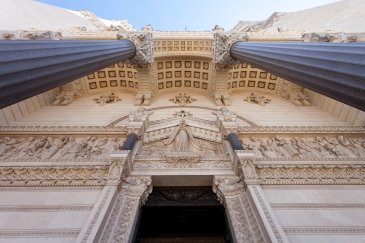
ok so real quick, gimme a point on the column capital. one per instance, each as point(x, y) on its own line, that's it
point(143, 42)
point(223, 42)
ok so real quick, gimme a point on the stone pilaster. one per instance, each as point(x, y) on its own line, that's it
point(121, 223)
point(242, 220)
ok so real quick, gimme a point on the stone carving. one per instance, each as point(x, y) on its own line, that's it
point(182, 114)
point(257, 99)
point(142, 41)
point(306, 148)
point(225, 115)
point(143, 98)
point(319, 174)
point(106, 99)
point(182, 195)
point(223, 42)
point(297, 98)
point(64, 98)
point(54, 148)
point(222, 99)
point(328, 37)
point(140, 114)
point(231, 193)
point(182, 139)
point(300, 129)
point(53, 176)
point(182, 99)
point(178, 157)
point(134, 192)
point(147, 28)
point(31, 35)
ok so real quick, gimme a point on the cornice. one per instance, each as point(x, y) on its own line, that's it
point(62, 130)
point(301, 129)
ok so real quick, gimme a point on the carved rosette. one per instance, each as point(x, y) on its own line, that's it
point(223, 42)
point(143, 43)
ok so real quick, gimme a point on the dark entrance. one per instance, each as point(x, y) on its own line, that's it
point(182, 214)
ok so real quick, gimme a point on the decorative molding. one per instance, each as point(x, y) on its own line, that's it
point(231, 193)
point(44, 208)
point(52, 176)
point(325, 230)
point(268, 215)
point(43, 233)
point(319, 206)
point(48, 130)
point(134, 192)
point(301, 129)
point(312, 175)
point(96, 216)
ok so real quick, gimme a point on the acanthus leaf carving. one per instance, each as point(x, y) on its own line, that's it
point(143, 43)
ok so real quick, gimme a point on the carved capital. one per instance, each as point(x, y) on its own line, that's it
point(117, 162)
point(223, 42)
point(143, 43)
point(137, 186)
point(248, 167)
point(227, 186)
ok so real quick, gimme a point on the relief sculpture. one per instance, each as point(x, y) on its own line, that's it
point(306, 148)
point(62, 148)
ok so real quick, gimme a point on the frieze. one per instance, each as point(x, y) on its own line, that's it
point(312, 175)
point(306, 148)
point(319, 206)
point(302, 129)
point(48, 233)
point(325, 230)
point(56, 176)
point(44, 208)
point(48, 130)
point(56, 148)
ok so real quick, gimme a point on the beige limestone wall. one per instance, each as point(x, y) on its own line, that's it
point(84, 112)
point(338, 109)
point(44, 214)
point(320, 213)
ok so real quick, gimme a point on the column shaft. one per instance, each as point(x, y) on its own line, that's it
point(336, 70)
point(28, 68)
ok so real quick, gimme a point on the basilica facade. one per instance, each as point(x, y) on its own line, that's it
point(190, 121)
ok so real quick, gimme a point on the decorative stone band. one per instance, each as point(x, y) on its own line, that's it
point(332, 69)
point(53, 176)
point(28, 68)
point(301, 129)
point(318, 174)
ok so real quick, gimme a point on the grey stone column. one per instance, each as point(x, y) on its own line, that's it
point(336, 70)
point(28, 68)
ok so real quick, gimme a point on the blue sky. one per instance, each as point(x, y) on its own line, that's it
point(189, 14)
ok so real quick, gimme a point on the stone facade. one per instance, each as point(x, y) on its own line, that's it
point(65, 178)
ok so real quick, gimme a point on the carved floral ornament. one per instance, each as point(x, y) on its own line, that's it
point(142, 41)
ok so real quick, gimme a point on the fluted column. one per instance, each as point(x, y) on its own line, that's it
point(336, 70)
point(28, 68)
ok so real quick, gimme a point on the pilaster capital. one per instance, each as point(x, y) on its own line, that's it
point(227, 186)
point(248, 167)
